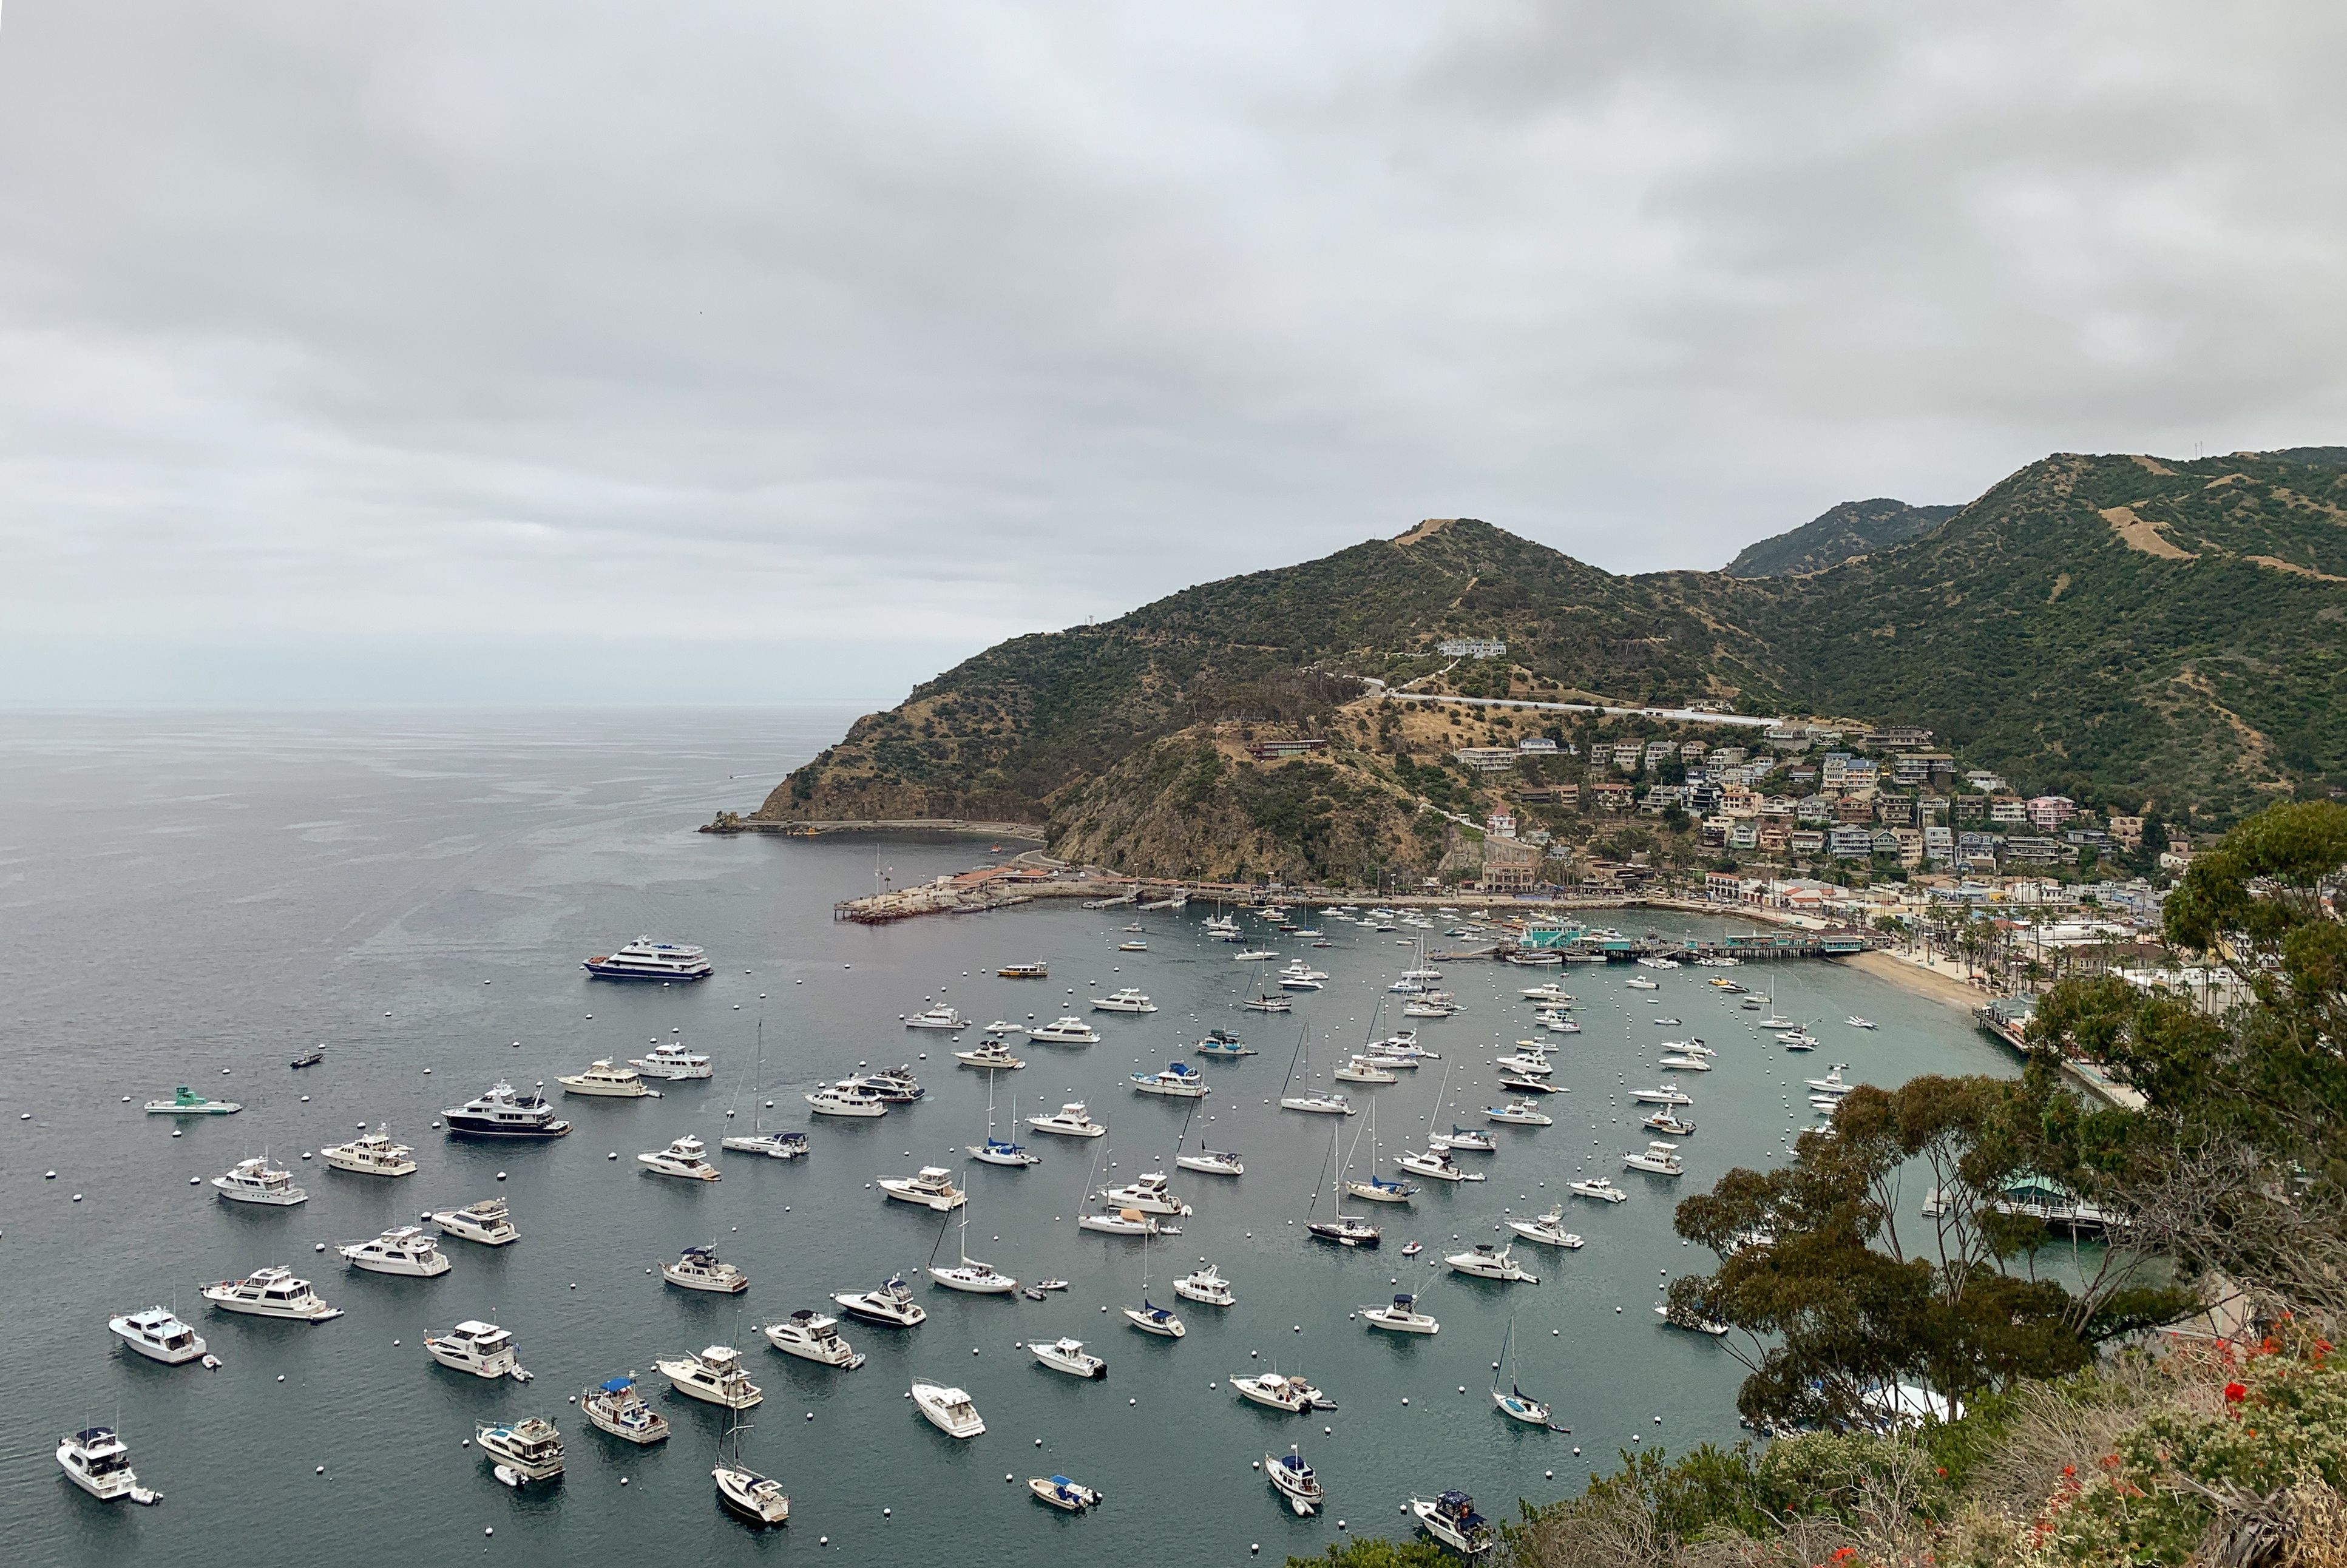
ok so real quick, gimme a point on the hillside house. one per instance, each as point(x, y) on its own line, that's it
point(2048, 812)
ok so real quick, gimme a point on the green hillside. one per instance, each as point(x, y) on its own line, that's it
point(1852, 528)
point(2116, 627)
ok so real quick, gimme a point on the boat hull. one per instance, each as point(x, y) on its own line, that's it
point(462, 1126)
point(742, 1493)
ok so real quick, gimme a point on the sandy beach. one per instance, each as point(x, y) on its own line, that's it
point(1935, 984)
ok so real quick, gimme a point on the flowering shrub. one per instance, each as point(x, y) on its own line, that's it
point(2282, 1426)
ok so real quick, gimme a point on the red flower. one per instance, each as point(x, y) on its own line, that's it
point(1844, 1553)
point(2069, 1470)
point(2235, 1393)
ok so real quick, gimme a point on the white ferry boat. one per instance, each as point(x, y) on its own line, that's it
point(645, 959)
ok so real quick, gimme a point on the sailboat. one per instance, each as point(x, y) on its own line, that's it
point(970, 1275)
point(1376, 1188)
point(775, 1145)
point(1266, 1000)
point(1775, 1018)
point(745, 1494)
point(1001, 1151)
point(1344, 1229)
point(1318, 1104)
point(1515, 1404)
point(1213, 1162)
point(1150, 1317)
point(1436, 1161)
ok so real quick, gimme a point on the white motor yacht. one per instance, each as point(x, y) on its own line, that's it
point(1118, 1221)
point(1520, 1113)
point(669, 1059)
point(1278, 1392)
point(502, 1112)
point(1776, 1022)
point(1205, 1284)
point(1150, 1193)
point(404, 1249)
point(938, 1015)
point(932, 1187)
point(1299, 983)
point(1548, 994)
point(1212, 1162)
point(255, 1180)
point(699, 1269)
point(1434, 1004)
point(812, 1337)
point(846, 1098)
point(1068, 1356)
point(1438, 1164)
point(891, 1304)
point(949, 1410)
point(371, 1154)
point(94, 1460)
point(1832, 1083)
point(1001, 1026)
point(485, 1222)
point(1799, 1039)
point(1678, 1063)
point(1641, 983)
point(1067, 1496)
point(186, 1102)
point(990, 1055)
point(1485, 1261)
point(523, 1450)
point(158, 1335)
point(686, 1159)
point(1401, 1318)
point(1534, 1063)
point(1128, 999)
point(773, 1145)
point(1066, 1030)
point(1601, 1188)
point(1364, 1069)
point(1556, 1023)
point(1664, 1095)
point(1547, 1229)
point(1179, 1079)
point(896, 1085)
point(611, 1083)
point(484, 1349)
point(1254, 956)
point(1222, 1045)
point(1266, 1002)
point(645, 959)
point(615, 1407)
point(1317, 1105)
point(1297, 970)
point(1471, 1140)
point(1536, 959)
point(1668, 1124)
point(1069, 1121)
point(1857, 1022)
point(1295, 1481)
point(714, 1377)
point(1451, 1519)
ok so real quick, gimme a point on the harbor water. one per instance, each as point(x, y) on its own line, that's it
point(198, 900)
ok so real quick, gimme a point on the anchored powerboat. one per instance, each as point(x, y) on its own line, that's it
point(96, 1460)
point(1473, 1140)
point(1664, 1122)
point(1295, 1481)
point(1069, 1121)
point(948, 1410)
point(645, 959)
point(846, 1098)
point(1128, 999)
point(699, 1269)
point(371, 1154)
point(501, 1112)
point(1035, 971)
point(611, 1083)
point(1548, 1229)
point(1402, 1317)
point(1485, 1261)
point(1068, 1030)
point(687, 1159)
point(669, 1059)
point(256, 1181)
point(1659, 1157)
point(1365, 1070)
point(1436, 1163)
point(714, 1377)
point(523, 1450)
point(932, 1187)
point(990, 1055)
point(1068, 1356)
point(1179, 1079)
point(1667, 1093)
point(1120, 1222)
point(484, 1349)
point(812, 1337)
point(1520, 1113)
point(186, 1102)
point(1451, 1519)
point(1278, 1392)
point(157, 1334)
point(1225, 1045)
point(1150, 1193)
point(403, 1249)
point(1072, 1496)
point(616, 1407)
point(1207, 1285)
point(485, 1222)
point(1601, 1188)
point(891, 1303)
point(938, 1015)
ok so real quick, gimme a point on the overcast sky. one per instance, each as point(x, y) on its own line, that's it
point(460, 352)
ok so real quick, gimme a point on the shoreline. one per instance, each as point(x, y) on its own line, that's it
point(1929, 984)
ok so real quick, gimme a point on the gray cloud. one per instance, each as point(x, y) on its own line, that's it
point(434, 350)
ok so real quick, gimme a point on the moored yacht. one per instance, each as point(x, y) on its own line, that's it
point(1520, 1113)
point(255, 1180)
point(157, 1334)
point(812, 1337)
point(371, 1154)
point(1666, 1093)
point(938, 1016)
point(670, 1060)
point(932, 1187)
point(1601, 1188)
point(699, 1269)
point(1069, 1121)
point(1317, 1105)
point(1274, 1391)
point(1473, 1140)
point(1640, 983)
point(949, 1410)
point(1547, 1229)
point(846, 1098)
point(1265, 1001)
point(485, 1222)
point(186, 1102)
point(1344, 1230)
point(645, 959)
point(484, 1349)
point(1179, 1079)
point(98, 1461)
point(617, 1407)
point(1223, 1044)
point(687, 1159)
point(499, 1111)
point(1213, 1163)
point(989, 1055)
point(1035, 971)
point(1659, 1157)
point(773, 1145)
point(523, 1450)
point(404, 1249)
point(1068, 1030)
point(1377, 1190)
point(1148, 1192)
point(891, 1303)
point(1118, 1221)
point(714, 1377)
point(1485, 1261)
point(1451, 1519)
point(1067, 1496)
point(1365, 1070)
point(1669, 1125)
point(612, 1083)
point(1436, 1163)
point(1832, 1082)
point(1128, 999)
point(1401, 1318)
point(1295, 1481)
point(1207, 1285)
point(1680, 1063)
point(750, 1496)
point(1548, 994)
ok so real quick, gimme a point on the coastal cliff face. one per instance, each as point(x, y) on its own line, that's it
point(2104, 627)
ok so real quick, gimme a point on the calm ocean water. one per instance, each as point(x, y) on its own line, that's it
point(192, 899)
